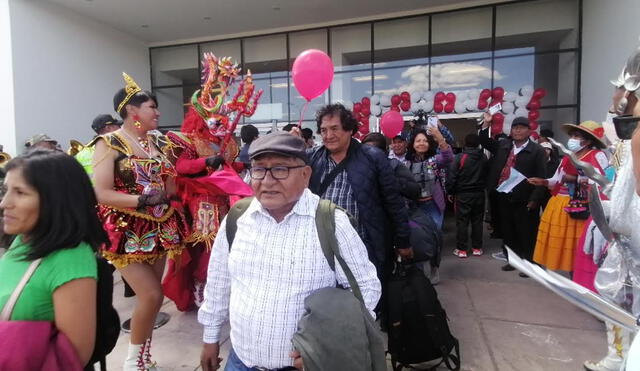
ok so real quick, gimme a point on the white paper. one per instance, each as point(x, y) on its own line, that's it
point(515, 177)
point(494, 109)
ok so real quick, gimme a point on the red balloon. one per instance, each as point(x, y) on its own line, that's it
point(395, 108)
point(497, 93)
point(357, 107)
point(451, 98)
point(391, 123)
point(533, 125)
point(485, 94)
point(498, 118)
point(396, 100)
point(449, 107)
point(366, 102)
point(405, 96)
point(439, 97)
point(495, 129)
point(438, 107)
point(539, 93)
point(534, 105)
point(534, 115)
point(482, 104)
point(405, 106)
point(365, 111)
point(534, 135)
point(364, 121)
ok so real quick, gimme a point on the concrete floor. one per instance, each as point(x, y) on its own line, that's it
point(504, 322)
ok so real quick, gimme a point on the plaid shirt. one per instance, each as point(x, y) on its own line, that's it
point(341, 194)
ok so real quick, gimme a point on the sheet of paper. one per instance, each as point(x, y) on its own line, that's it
point(514, 179)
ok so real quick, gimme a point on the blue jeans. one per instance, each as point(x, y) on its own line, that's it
point(235, 364)
point(431, 208)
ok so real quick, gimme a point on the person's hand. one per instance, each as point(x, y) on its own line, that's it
point(405, 254)
point(532, 205)
point(158, 198)
point(214, 162)
point(297, 360)
point(209, 358)
point(296, 131)
point(487, 118)
point(538, 182)
point(437, 135)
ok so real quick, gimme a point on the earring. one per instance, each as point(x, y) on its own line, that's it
point(136, 123)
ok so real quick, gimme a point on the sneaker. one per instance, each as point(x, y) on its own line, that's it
point(477, 252)
point(499, 256)
point(460, 253)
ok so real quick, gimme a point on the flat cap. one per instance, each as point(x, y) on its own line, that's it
point(524, 121)
point(280, 143)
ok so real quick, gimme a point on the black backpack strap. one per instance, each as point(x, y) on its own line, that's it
point(232, 218)
point(326, 226)
point(451, 358)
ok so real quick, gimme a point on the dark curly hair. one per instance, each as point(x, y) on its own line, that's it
point(349, 123)
point(433, 146)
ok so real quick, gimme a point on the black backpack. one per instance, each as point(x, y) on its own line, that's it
point(417, 325)
point(108, 321)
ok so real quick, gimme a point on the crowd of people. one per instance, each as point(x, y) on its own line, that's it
point(242, 232)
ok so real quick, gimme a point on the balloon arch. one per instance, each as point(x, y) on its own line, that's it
point(526, 103)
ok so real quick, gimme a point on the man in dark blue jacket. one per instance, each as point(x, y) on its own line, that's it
point(359, 179)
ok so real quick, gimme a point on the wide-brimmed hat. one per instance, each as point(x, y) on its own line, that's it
point(591, 128)
point(39, 138)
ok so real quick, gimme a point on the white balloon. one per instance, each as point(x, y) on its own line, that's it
point(460, 107)
point(385, 100)
point(506, 127)
point(427, 106)
point(376, 110)
point(508, 107)
point(375, 99)
point(521, 101)
point(348, 105)
point(416, 96)
point(526, 91)
point(414, 107)
point(373, 123)
point(508, 119)
point(471, 105)
point(522, 112)
point(427, 95)
point(510, 96)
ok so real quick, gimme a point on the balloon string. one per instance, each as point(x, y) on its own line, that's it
point(304, 109)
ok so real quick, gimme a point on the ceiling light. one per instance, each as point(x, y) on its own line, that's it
point(368, 78)
point(207, 18)
point(145, 26)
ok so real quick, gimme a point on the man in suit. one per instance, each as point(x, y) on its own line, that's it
point(518, 209)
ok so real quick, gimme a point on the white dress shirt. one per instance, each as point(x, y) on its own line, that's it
point(260, 285)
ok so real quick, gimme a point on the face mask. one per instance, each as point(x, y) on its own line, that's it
point(574, 145)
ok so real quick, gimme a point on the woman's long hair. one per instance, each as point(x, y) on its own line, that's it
point(68, 214)
point(411, 152)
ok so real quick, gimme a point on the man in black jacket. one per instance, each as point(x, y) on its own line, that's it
point(519, 209)
point(466, 181)
point(359, 179)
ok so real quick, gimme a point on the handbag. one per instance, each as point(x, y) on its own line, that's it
point(578, 207)
point(33, 345)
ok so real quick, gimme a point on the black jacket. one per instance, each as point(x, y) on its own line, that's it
point(409, 188)
point(470, 176)
point(531, 161)
point(382, 210)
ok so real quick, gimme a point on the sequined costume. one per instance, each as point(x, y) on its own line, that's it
point(147, 234)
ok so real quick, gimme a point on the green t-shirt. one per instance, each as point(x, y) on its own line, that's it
point(59, 267)
point(85, 158)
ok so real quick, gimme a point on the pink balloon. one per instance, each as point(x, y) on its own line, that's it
point(312, 73)
point(391, 124)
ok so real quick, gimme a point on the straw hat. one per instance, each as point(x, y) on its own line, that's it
point(594, 130)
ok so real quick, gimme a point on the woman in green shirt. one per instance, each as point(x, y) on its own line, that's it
point(50, 205)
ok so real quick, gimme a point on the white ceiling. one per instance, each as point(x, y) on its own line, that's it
point(172, 20)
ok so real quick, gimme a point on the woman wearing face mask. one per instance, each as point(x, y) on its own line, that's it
point(559, 233)
point(133, 181)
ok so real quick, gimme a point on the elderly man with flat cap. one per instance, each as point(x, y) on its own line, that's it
point(519, 207)
point(275, 262)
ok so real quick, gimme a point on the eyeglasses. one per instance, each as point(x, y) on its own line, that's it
point(277, 172)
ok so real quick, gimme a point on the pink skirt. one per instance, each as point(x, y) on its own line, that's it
point(584, 269)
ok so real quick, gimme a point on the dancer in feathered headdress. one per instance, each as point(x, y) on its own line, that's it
point(207, 180)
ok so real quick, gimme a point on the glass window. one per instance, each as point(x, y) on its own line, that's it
point(301, 41)
point(553, 118)
point(297, 103)
point(266, 56)
point(171, 103)
point(401, 42)
point(175, 65)
point(556, 73)
point(389, 81)
point(461, 35)
point(348, 87)
point(226, 48)
point(273, 103)
point(548, 25)
point(461, 75)
point(351, 47)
